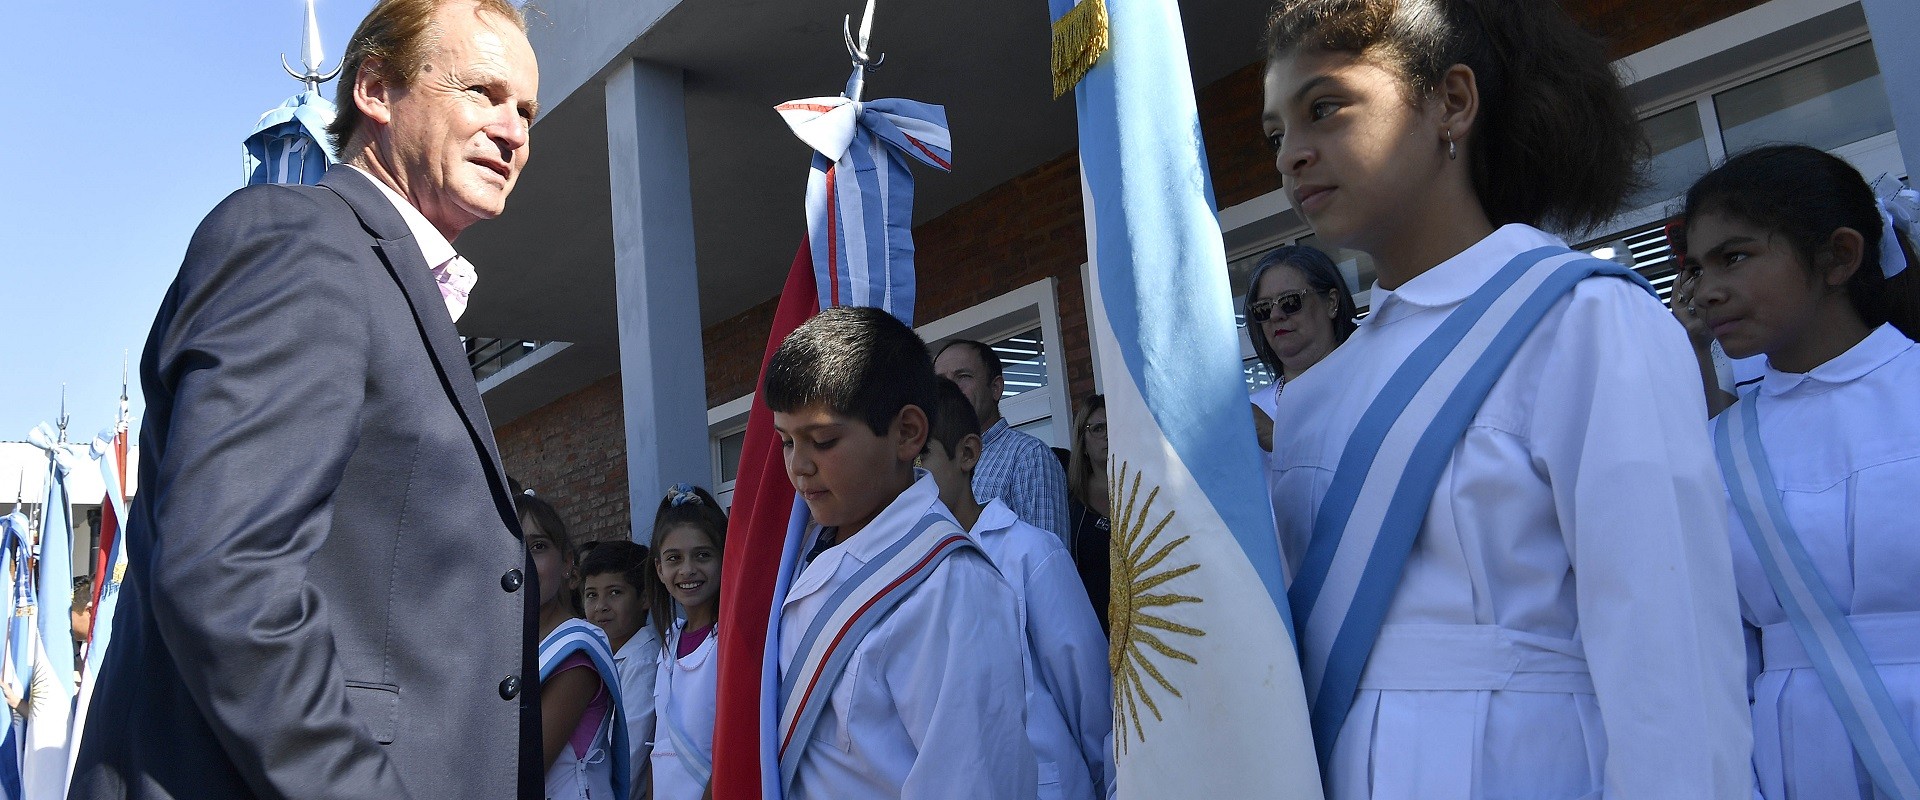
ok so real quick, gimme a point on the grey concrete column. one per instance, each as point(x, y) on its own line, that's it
point(1895, 25)
point(662, 369)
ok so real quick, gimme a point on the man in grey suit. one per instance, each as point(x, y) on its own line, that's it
point(326, 593)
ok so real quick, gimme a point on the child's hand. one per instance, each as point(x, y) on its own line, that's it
point(1685, 310)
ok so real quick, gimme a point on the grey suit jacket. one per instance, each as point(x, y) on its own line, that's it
point(326, 594)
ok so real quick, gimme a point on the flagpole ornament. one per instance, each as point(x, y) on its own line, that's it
point(1080, 37)
point(857, 49)
point(311, 56)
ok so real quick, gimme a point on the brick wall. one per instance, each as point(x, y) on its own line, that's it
point(573, 453)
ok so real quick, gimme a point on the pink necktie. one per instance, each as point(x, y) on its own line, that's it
point(456, 279)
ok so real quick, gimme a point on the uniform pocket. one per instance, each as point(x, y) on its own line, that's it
point(376, 706)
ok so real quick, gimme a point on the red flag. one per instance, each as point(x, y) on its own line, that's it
point(756, 537)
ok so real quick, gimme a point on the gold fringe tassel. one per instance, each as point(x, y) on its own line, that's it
point(1079, 38)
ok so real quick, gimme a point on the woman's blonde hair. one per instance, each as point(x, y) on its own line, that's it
point(1080, 469)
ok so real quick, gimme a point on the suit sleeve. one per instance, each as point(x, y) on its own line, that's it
point(265, 359)
point(1621, 436)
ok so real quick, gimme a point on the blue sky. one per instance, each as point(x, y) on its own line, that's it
point(128, 117)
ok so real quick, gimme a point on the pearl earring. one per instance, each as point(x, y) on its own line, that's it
point(1452, 154)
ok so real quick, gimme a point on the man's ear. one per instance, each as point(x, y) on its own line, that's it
point(1841, 257)
point(967, 455)
point(372, 93)
point(910, 429)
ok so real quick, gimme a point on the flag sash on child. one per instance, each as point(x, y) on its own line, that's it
point(854, 609)
point(578, 636)
point(1873, 723)
point(1208, 701)
point(1377, 501)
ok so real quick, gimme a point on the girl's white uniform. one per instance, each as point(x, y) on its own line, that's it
point(684, 693)
point(636, 662)
point(1565, 626)
point(1844, 444)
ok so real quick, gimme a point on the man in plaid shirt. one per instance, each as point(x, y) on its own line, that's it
point(1015, 467)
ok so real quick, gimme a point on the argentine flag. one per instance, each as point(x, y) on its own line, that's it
point(1207, 693)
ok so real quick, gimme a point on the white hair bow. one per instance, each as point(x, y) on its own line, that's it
point(1899, 211)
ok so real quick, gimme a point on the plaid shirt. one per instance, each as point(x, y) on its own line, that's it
point(1022, 471)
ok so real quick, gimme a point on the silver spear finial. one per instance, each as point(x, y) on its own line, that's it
point(863, 59)
point(311, 56)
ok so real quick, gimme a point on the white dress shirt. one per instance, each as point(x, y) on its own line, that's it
point(1566, 624)
point(1844, 443)
point(1069, 685)
point(931, 703)
point(452, 273)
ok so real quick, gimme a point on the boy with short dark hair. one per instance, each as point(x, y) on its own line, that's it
point(900, 654)
point(613, 593)
point(1069, 686)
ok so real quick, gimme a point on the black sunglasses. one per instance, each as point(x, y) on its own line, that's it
point(1287, 304)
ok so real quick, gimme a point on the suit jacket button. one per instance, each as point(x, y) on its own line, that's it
point(510, 688)
point(511, 580)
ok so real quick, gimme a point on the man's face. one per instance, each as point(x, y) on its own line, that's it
point(962, 365)
point(456, 137)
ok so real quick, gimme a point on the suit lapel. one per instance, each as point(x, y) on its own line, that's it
point(409, 269)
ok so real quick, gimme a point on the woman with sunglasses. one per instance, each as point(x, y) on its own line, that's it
point(1298, 310)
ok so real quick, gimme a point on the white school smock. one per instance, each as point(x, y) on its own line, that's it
point(635, 662)
point(685, 690)
point(1069, 684)
point(1566, 624)
point(931, 704)
point(1844, 444)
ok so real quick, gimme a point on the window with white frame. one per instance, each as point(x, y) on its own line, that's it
point(1022, 327)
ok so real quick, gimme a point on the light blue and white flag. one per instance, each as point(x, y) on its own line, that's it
point(1207, 693)
point(860, 193)
point(51, 688)
point(289, 144)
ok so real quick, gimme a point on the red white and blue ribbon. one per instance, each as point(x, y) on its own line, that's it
point(860, 194)
point(854, 609)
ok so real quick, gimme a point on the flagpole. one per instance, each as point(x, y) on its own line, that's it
point(862, 60)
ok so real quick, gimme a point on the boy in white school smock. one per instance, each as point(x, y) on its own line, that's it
point(1069, 685)
point(900, 663)
point(613, 579)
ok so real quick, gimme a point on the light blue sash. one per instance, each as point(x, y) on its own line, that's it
point(1377, 501)
point(849, 614)
point(1873, 725)
point(685, 747)
point(580, 636)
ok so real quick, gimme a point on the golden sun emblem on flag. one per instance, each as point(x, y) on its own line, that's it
point(1136, 646)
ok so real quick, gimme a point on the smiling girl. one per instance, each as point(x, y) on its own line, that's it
point(1793, 260)
point(1499, 491)
point(689, 535)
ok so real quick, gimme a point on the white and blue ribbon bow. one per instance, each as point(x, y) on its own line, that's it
point(860, 194)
